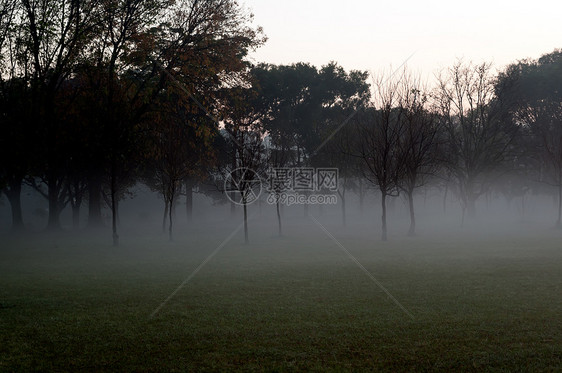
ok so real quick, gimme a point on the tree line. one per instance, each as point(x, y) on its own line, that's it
point(97, 96)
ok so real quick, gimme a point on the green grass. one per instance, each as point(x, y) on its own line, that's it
point(290, 304)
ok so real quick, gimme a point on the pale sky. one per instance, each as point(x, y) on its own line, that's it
point(376, 35)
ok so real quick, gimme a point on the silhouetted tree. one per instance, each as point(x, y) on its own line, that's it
point(17, 129)
point(478, 138)
point(534, 88)
point(53, 35)
point(419, 141)
point(380, 131)
point(181, 143)
point(243, 118)
point(308, 107)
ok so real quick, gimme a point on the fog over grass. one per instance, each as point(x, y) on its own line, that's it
point(482, 297)
point(142, 215)
point(168, 203)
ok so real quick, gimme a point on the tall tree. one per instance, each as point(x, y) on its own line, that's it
point(123, 26)
point(380, 131)
point(420, 138)
point(478, 137)
point(17, 129)
point(533, 86)
point(307, 107)
point(8, 14)
point(244, 119)
point(56, 33)
point(345, 95)
point(181, 145)
point(148, 46)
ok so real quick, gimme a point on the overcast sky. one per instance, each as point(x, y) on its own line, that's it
point(374, 35)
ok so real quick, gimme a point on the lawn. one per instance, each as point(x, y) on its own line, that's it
point(282, 304)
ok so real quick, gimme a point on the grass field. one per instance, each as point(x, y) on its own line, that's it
point(282, 304)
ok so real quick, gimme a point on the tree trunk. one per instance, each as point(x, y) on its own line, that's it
point(170, 217)
point(361, 196)
point(471, 207)
point(53, 195)
point(164, 219)
point(76, 216)
point(76, 203)
point(53, 187)
point(14, 197)
point(343, 216)
point(246, 239)
point(445, 199)
point(189, 201)
point(559, 221)
point(412, 230)
point(117, 215)
point(233, 187)
point(114, 202)
point(392, 203)
point(232, 204)
point(383, 203)
point(279, 219)
point(94, 202)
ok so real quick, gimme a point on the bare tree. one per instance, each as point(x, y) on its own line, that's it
point(419, 141)
point(244, 126)
point(181, 143)
point(477, 137)
point(8, 10)
point(250, 160)
point(379, 132)
point(278, 157)
point(339, 153)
